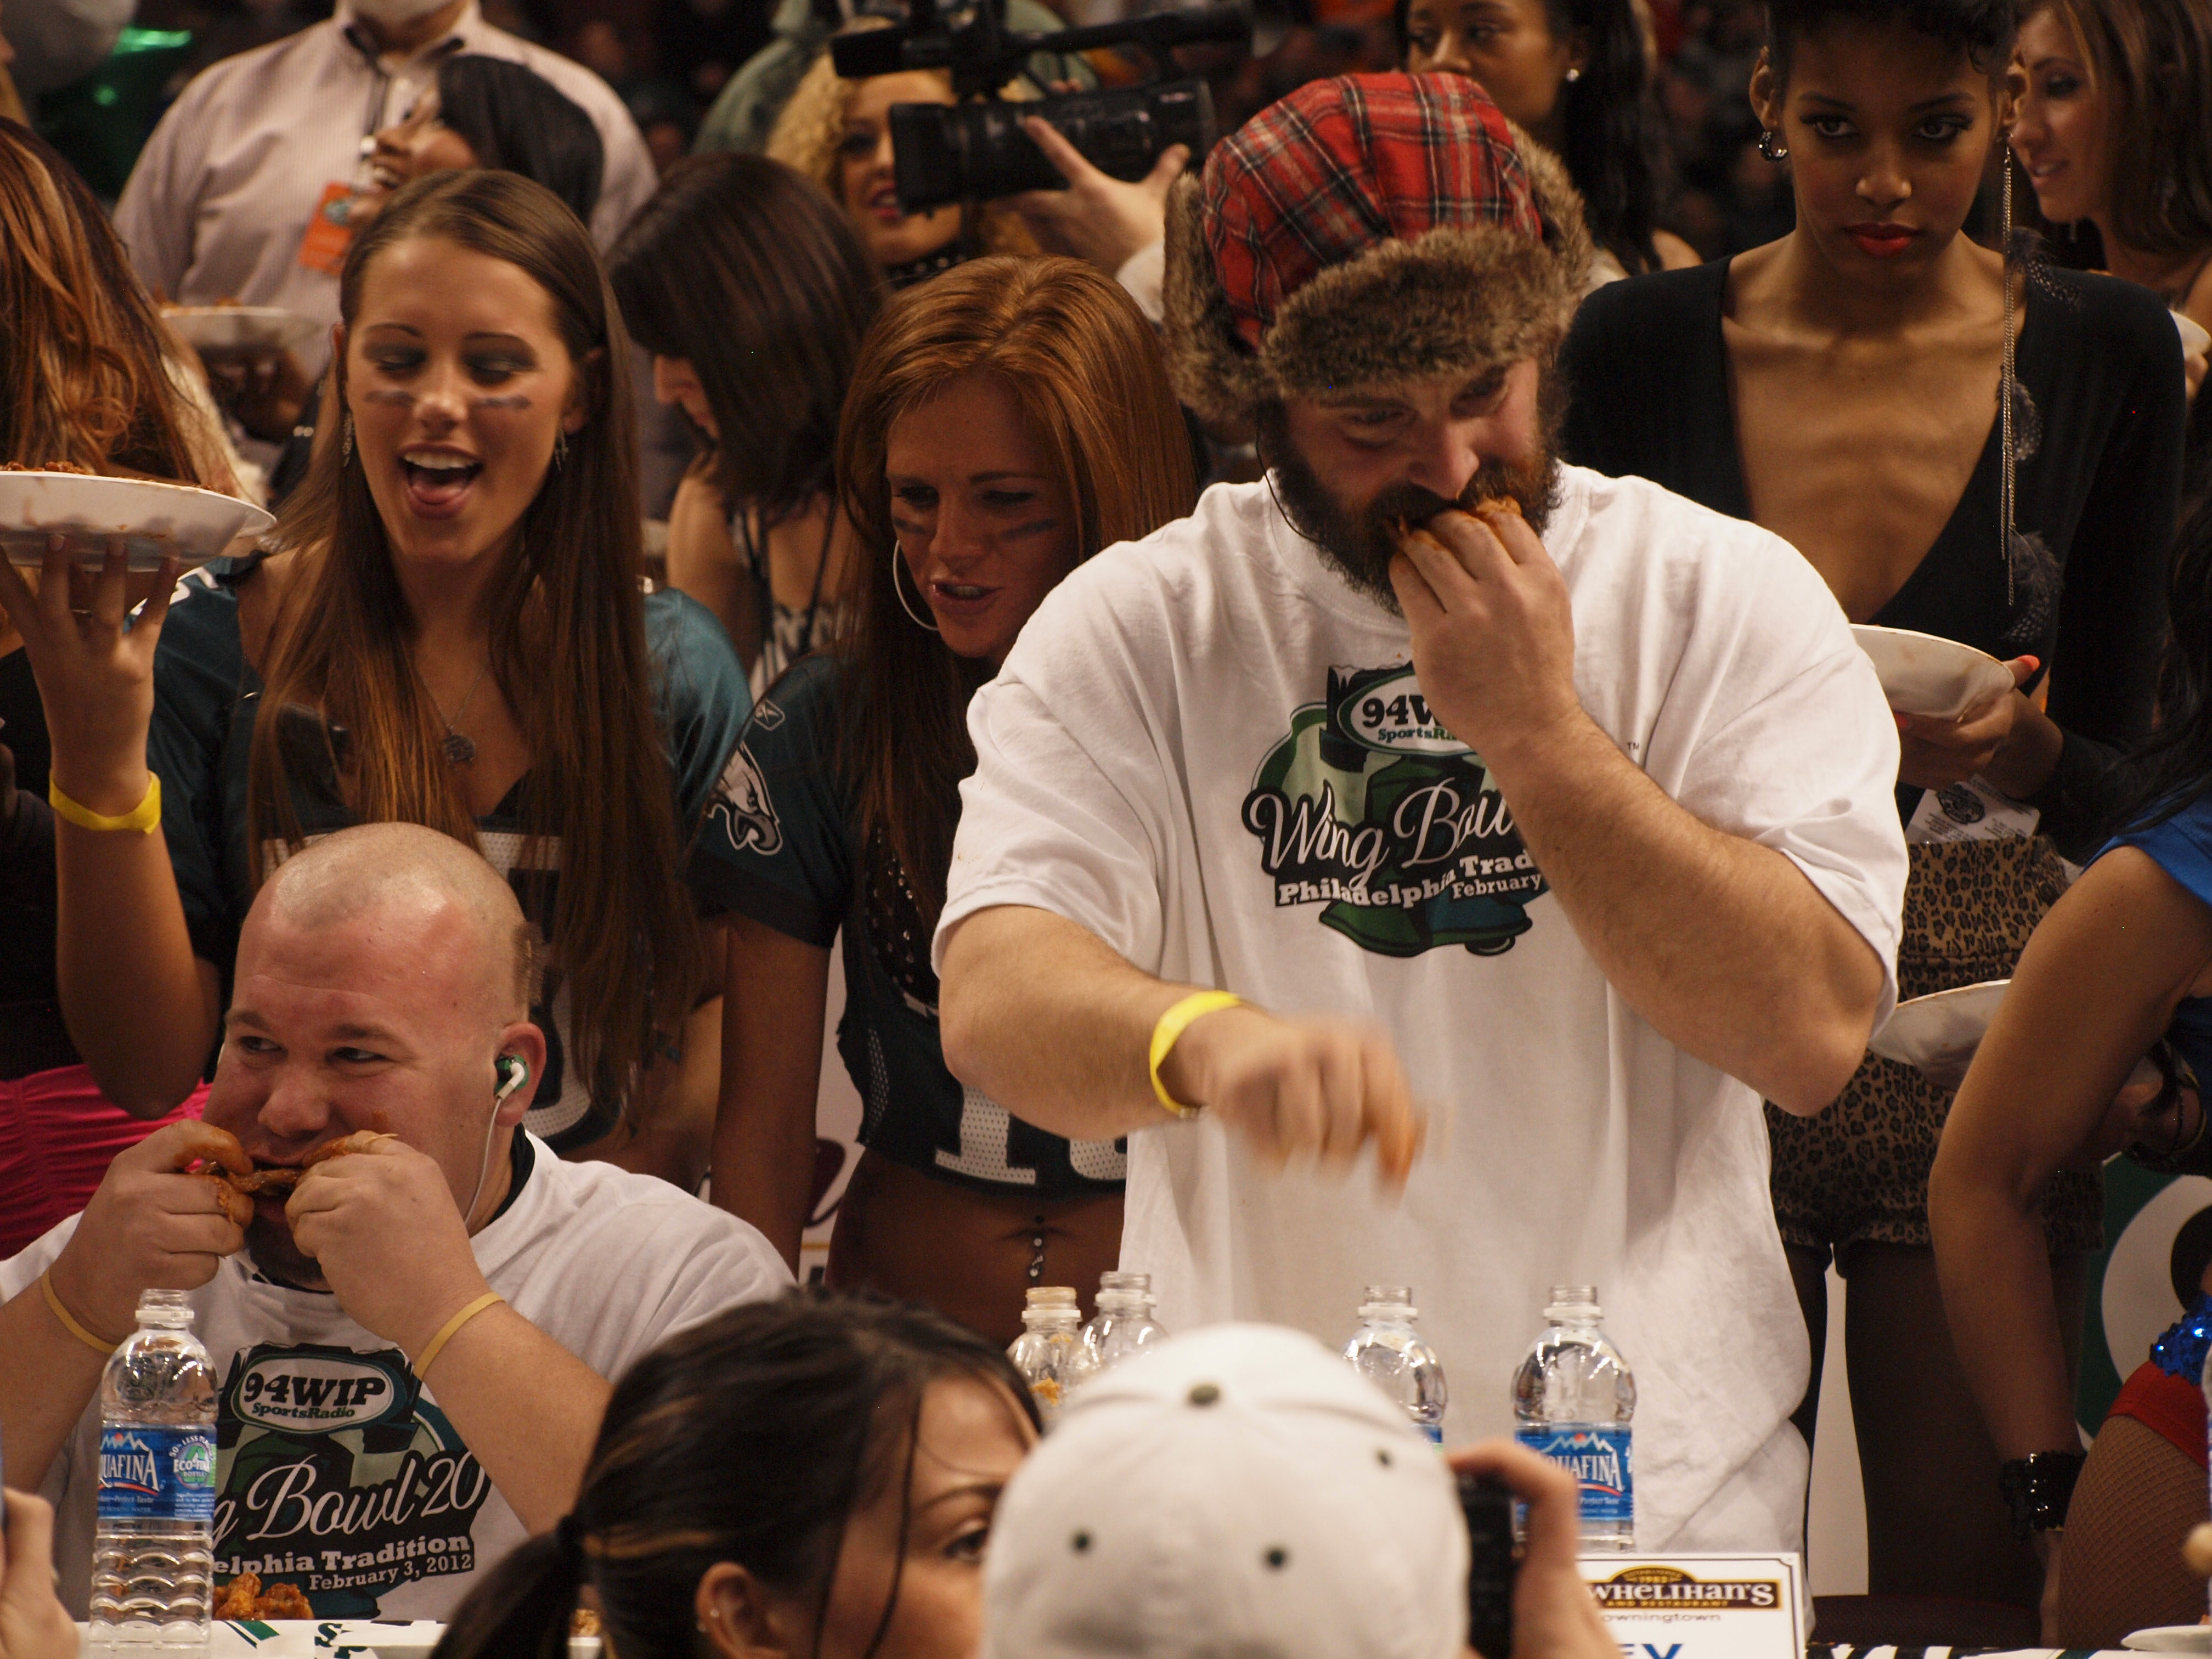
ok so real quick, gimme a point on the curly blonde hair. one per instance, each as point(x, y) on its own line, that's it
point(810, 132)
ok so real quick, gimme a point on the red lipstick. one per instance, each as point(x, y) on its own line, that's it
point(1882, 241)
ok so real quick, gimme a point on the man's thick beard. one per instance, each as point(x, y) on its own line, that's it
point(1361, 544)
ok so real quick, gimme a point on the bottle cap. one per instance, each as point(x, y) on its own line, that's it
point(168, 1309)
point(1574, 1302)
point(1388, 1298)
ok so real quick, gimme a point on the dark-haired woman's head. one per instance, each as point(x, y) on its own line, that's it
point(2113, 126)
point(488, 112)
point(1576, 74)
point(1889, 111)
point(814, 1478)
point(751, 291)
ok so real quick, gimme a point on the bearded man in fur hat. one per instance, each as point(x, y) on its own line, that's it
point(1430, 789)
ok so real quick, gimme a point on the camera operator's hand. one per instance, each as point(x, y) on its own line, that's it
point(1097, 218)
point(1555, 1614)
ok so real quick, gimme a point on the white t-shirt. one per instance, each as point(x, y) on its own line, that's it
point(1211, 751)
point(336, 1471)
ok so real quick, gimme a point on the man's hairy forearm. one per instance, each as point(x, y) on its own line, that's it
point(1046, 1019)
point(1723, 945)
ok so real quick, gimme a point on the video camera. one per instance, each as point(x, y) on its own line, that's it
point(976, 151)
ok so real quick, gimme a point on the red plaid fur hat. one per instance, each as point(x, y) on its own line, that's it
point(1369, 227)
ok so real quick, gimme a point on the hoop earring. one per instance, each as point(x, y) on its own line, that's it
point(898, 563)
point(1770, 146)
point(345, 441)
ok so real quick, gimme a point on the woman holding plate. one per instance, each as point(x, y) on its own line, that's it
point(1962, 448)
point(95, 387)
point(447, 627)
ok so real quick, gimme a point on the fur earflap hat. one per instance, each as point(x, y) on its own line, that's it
point(1372, 227)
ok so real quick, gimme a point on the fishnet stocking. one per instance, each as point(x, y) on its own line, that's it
point(2120, 1567)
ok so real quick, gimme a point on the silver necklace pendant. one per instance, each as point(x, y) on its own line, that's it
point(460, 748)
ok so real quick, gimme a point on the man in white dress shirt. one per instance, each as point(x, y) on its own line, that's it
point(240, 192)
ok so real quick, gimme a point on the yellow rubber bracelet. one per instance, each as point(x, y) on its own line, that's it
point(1171, 1026)
point(145, 818)
point(437, 1343)
point(70, 1320)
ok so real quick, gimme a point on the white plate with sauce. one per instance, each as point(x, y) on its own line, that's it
point(2171, 1638)
point(240, 328)
point(155, 520)
point(1923, 674)
point(1939, 1034)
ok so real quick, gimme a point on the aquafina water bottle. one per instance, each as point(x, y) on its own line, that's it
point(1572, 1400)
point(152, 1556)
point(1387, 1350)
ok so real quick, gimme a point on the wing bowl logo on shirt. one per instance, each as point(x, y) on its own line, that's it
point(336, 1476)
point(1372, 809)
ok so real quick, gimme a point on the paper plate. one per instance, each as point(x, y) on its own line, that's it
point(2171, 1638)
point(1939, 1034)
point(1921, 674)
point(156, 520)
point(240, 328)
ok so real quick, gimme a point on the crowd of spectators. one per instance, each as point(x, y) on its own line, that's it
point(1333, 651)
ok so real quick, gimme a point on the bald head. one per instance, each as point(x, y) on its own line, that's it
point(409, 874)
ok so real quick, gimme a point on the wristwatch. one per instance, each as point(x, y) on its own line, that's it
point(2037, 1488)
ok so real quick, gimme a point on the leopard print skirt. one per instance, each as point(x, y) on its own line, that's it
point(1857, 1173)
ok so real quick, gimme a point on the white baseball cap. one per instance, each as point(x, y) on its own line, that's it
point(1240, 1491)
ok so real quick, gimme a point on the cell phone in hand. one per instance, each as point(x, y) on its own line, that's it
point(1488, 1506)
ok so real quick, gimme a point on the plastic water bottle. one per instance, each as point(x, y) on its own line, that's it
point(1572, 1400)
point(1125, 1325)
point(1388, 1351)
point(1049, 1353)
point(152, 1556)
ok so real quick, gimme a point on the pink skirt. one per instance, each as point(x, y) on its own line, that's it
point(57, 1133)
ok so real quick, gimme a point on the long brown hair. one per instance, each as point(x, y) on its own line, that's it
point(82, 357)
point(568, 646)
point(2151, 61)
point(750, 271)
point(1079, 357)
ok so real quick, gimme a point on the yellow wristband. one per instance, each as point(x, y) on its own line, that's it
point(1171, 1025)
point(437, 1345)
point(69, 1322)
point(145, 818)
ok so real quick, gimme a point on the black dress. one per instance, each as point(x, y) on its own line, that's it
point(1648, 382)
point(2097, 477)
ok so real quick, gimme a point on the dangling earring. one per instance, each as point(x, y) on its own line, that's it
point(898, 563)
point(345, 441)
point(560, 446)
point(1770, 145)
